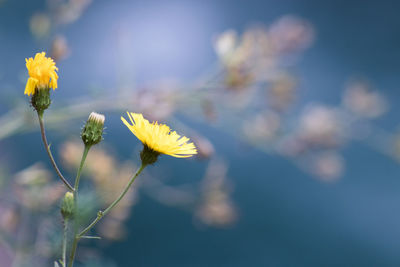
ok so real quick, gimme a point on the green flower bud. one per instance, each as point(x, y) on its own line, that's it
point(92, 132)
point(68, 206)
point(41, 99)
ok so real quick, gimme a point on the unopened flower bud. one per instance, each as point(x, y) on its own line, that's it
point(68, 206)
point(92, 133)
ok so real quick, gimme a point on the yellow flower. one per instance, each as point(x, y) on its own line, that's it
point(42, 73)
point(159, 138)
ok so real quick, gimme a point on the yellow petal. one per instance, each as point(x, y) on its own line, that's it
point(30, 86)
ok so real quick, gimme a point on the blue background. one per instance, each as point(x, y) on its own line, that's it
point(287, 218)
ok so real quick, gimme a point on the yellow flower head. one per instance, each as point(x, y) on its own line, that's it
point(159, 138)
point(42, 73)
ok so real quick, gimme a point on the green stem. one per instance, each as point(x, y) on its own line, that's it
point(78, 175)
point(101, 214)
point(47, 147)
point(75, 192)
point(64, 245)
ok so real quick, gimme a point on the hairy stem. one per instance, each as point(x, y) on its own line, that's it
point(64, 244)
point(47, 147)
point(101, 214)
point(76, 226)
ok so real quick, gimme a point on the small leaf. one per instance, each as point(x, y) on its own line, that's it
point(90, 237)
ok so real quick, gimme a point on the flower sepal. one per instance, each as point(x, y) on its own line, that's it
point(41, 100)
point(148, 155)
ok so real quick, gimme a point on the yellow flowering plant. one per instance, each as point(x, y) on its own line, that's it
point(157, 139)
point(42, 73)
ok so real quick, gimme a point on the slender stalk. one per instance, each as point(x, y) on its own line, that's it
point(76, 186)
point(47, 147)
point(64, 244)
point(73, 251)
point(101, 214)
point(75, 192)
point(78, 175)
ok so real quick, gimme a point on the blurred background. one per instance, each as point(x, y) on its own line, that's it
point(292, 105)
